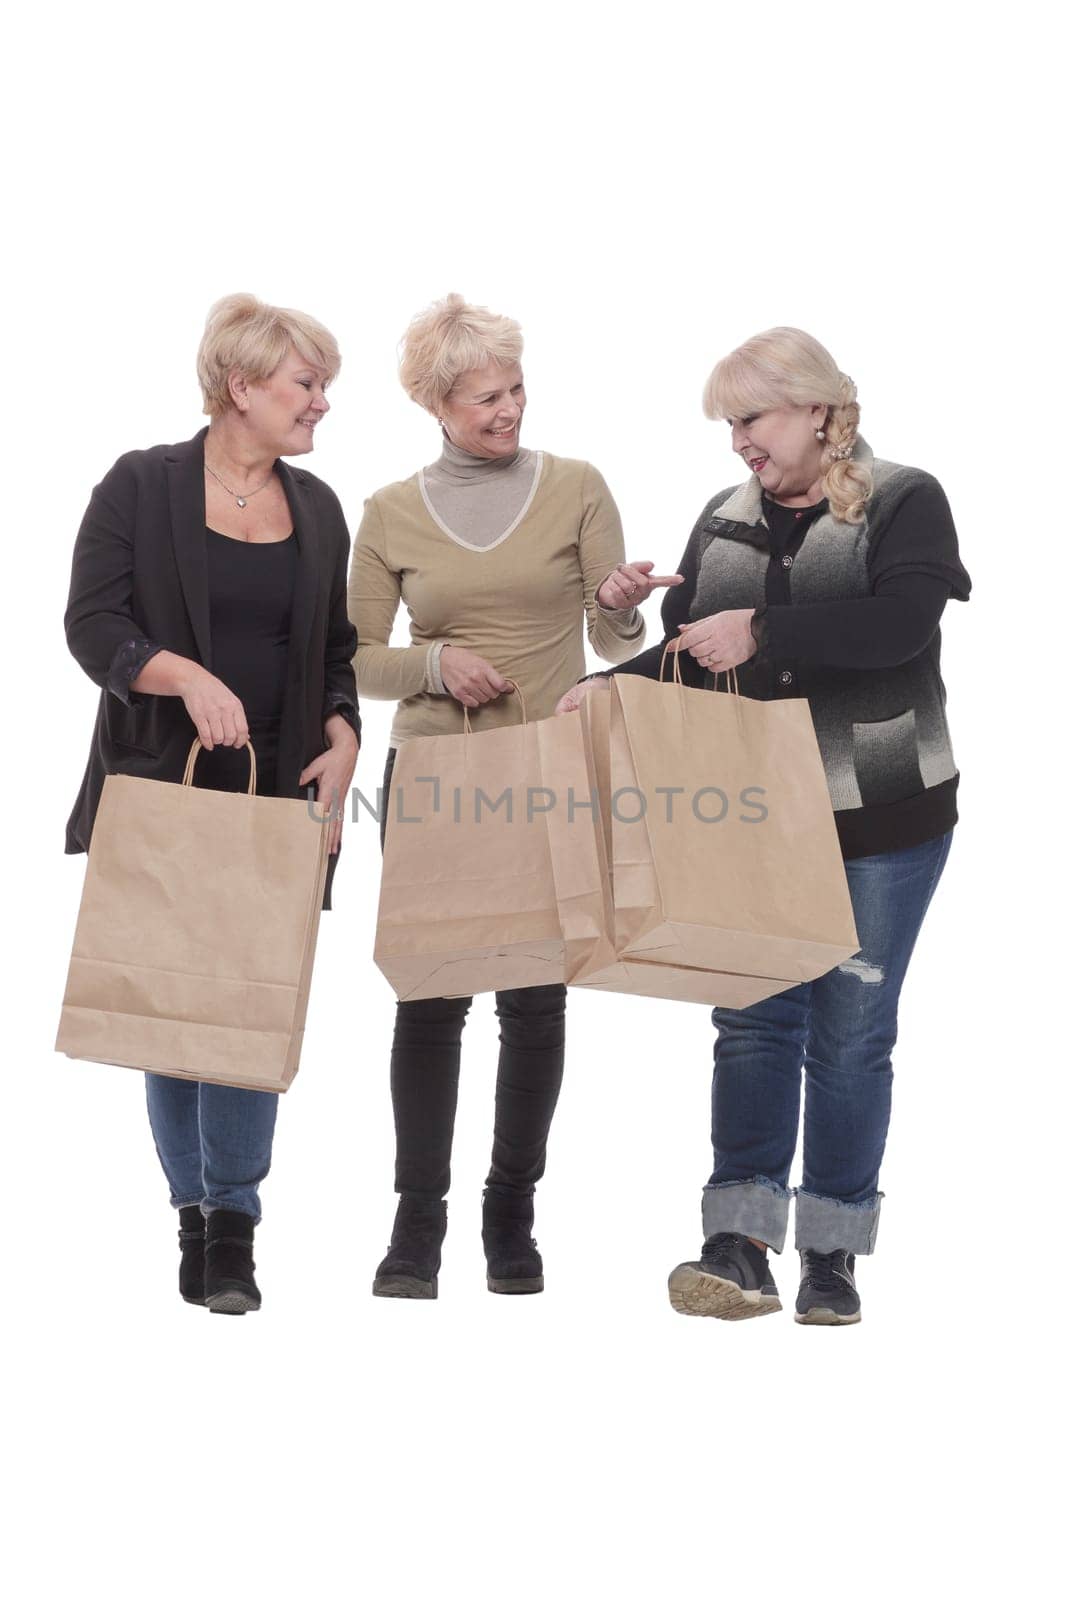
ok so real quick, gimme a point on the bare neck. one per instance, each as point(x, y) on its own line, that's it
point(810, 497)
point(236, 455)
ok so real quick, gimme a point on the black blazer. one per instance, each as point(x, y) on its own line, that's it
point(139, 583)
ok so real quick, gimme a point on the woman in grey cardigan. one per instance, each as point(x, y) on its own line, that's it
point(824, 575)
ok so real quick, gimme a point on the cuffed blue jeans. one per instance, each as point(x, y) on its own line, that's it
point(835, 1036)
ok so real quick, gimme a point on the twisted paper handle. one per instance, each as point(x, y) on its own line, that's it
point(522, 706)
point(730, 676)
point(195, 749)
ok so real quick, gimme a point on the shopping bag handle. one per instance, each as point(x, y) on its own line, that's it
point(195, 749)
point(730, 676)
point(522, 706)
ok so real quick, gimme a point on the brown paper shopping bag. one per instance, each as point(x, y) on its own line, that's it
point(582, 857)
point(196, 935)
point(467, 902)
point(576, 847)
point(725, 853)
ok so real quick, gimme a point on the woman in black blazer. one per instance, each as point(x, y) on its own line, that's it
point(208, 598)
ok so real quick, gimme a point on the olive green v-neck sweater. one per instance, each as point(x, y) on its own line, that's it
point(520, 601)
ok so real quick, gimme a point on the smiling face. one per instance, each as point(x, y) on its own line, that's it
point(780, 447)
point(483, 413)
point(283, 410)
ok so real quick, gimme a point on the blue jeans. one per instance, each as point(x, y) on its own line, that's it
point(837, 1036)
point(213, 1142)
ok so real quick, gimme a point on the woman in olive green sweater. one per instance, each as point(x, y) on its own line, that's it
point(500, 555)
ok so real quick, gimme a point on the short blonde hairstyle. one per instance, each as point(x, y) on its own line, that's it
point(244, 335)
point(785, 366)
point(449, 338)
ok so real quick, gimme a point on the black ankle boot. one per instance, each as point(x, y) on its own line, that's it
point(229, 1285)
point(513, 1263)
point(410, 1267)
point(191, 1230)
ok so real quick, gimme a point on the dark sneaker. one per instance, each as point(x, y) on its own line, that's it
point(828, 1294)
point(732, 1280)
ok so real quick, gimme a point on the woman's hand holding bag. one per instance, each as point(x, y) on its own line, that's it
point(470, 678)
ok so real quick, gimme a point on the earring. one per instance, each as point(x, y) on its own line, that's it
point(820, 433)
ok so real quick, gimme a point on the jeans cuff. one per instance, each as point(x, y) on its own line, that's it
point(756, 1207)
point(208, 1206)
point(826, 1225)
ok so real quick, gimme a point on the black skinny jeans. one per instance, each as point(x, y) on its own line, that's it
point(424, 1078)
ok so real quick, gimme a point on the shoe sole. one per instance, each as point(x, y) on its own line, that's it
point(824, 1317)
point(403, 1288)
point(232, 1302)
point(516, 1285)
point(701, 1294)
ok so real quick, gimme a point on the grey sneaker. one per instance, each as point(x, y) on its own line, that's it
point(732, 1280)
point(828, 1295)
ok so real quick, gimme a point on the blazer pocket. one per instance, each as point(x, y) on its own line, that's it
point(132, 728)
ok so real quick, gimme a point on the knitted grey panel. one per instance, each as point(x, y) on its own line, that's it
point(882, 734)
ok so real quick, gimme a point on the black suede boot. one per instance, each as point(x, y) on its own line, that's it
point(229, 1285)
point(513, 1263)
point(409, 1268)
point(191, 1228)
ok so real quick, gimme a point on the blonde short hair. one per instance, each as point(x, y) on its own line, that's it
point(785, 366)
point(244, 335)
point(449, 338)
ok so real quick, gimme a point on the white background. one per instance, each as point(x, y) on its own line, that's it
point(642, 189)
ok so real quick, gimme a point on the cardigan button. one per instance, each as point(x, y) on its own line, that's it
point(785, 678)
point(787, 561)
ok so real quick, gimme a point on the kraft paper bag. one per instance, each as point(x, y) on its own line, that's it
point(467, 899)
point(725, 854)
point(591, 842)
point(196, 934)
point(576, 847)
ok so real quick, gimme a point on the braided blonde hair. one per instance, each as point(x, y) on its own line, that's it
point(786, 366)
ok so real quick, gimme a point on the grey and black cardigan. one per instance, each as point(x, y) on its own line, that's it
point(847, 617)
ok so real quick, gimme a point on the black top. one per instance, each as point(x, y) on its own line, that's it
point(251, 601)
point(815, 648)
point(139, 584)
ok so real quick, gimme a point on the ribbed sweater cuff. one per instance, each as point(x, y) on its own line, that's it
point(434, 683)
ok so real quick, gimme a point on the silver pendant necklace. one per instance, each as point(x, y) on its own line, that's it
point(242, 499)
